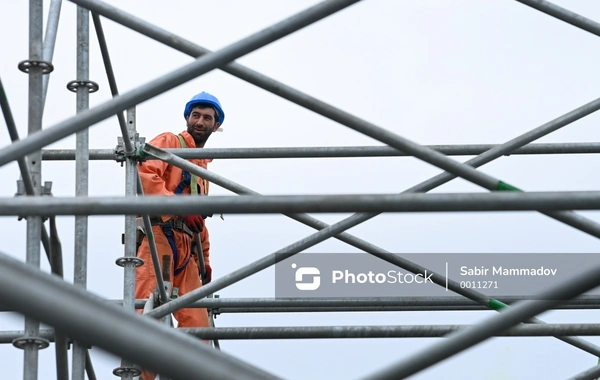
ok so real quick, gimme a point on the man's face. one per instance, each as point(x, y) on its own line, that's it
point(201, 123)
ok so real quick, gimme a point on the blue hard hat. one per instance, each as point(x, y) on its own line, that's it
point(204, 98)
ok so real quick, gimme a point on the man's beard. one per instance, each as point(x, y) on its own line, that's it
point(199, 139)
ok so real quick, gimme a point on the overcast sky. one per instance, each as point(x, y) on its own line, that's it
point(433, 71)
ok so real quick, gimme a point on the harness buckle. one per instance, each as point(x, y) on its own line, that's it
point(181, 225)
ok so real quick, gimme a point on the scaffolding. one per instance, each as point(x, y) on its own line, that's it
point(80, 320)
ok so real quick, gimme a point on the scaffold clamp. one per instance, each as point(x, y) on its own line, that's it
point(121, 155)
point(46, 190)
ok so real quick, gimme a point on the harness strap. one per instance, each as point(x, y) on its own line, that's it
point(185, 182)
point(168, 231)
point(190, 180)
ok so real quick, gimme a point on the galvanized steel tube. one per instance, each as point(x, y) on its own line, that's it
point(273, 204)
point(89, 367)
point(334, 151)
point(510, 317)
point(564, 15)
point(81, 176)
point(268, 305)
point(358, 332)
point(34, 223)
point(361, 332)
point(90, 319)
point(590, 374)
point(130, 231)
point(110, 74)
point(130, 225)
point(50, 38)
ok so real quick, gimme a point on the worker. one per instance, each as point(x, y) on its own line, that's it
point(173, 234)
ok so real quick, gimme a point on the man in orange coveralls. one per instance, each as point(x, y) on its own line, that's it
point(173, 235)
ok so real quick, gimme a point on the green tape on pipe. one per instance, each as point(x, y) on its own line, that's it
point(496, 305)
point(141, 153)
point(503, 186)
point(150, 237)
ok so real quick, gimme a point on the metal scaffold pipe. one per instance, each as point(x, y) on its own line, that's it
point(564, 15)
point(129, 261)
point(50, 38)
point(112, 82)
point(266, 305)
point(30, 342)
point(417, 331)
point(360, 332)
point(89, 367)
point(269, 204)
point(333, 152)
point(90, 319)
point(81, 174)
point(590, 374)
point(261, 305)
point(510, 317)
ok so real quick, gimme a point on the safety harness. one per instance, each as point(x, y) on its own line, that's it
point(188, 180)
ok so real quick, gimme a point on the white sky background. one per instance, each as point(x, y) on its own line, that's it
point(435, 72)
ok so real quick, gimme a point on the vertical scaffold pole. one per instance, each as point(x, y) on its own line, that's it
point(130, 226)
point(130, 220)
point(81, 173)
point(129, 262)
point(31, 342)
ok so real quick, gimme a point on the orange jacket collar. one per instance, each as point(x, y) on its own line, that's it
point(189, 140)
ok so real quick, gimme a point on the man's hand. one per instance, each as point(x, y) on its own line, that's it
point(208, 277)
point(195, 222)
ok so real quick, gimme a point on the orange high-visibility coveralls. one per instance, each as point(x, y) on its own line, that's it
point(160, 178)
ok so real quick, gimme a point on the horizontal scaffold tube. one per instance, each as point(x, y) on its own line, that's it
point(438, 303)
point(261, 204)
point(415, 331)
point(286, 305)
point(366, 301)
point(349, 332)
point(296, 305)
point(333, 151)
